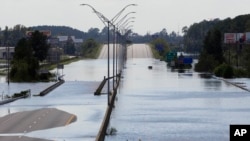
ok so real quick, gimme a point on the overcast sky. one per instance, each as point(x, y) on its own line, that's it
point(151, 15)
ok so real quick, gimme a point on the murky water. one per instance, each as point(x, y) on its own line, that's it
point(162, 104)
point(158, 104)
point(75, 96)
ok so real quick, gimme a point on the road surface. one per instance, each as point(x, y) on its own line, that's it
point(28, 121)
point(133, 51)
point(139, 51)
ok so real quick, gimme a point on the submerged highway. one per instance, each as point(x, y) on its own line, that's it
point(27, 121)
point(152, 104)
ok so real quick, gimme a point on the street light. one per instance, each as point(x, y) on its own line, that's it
point(127, 22)
point(101, 17)
point(119, 13)
point(123, 18)
point(107, 23)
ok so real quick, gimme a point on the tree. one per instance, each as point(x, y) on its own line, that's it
point(70, 47)
point(90, 48)
point(24, 65)
point(213, 44)
point(39, 44)
point(185, 30)
point(211, 55)
point(93, 32)
point(28, 53)
point(161, 46)
point(6, 35)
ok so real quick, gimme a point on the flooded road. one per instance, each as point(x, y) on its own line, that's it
point(162, 104)
point(152, 104)
point(75, 96)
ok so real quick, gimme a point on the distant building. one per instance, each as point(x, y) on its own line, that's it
point(4, 52)
point(54, 54)
point(61, 41)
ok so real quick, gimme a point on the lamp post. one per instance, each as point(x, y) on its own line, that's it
point(119, 13)
point(122, 19)
point(126, 23)
point(113, 20)
point(107, 23)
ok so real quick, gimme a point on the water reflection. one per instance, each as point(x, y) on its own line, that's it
point(213, 84)
point(75, 96)
point(161, 104)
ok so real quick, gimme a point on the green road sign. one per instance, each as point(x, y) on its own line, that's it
point(170, 56)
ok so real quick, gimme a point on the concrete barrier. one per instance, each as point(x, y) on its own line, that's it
point(99, 89)
point(14, 99)
point(104, 126)
point(49, 89)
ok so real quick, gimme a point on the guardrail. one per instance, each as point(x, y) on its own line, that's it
point(14, 99)
point(104, 126)
point(49, 89)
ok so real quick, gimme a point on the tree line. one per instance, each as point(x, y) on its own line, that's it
point(224, 60)
point(12, 35)
point(194, 35)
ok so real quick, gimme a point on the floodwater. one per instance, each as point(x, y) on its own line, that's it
point(162, 104)
point(159, 104)
point(75, 96)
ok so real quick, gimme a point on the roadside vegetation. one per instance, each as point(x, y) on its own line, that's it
point(28, 53)
point(223, 60)
point(159, 48)
point(90, 49)
point(31, 60)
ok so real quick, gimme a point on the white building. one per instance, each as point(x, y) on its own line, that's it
point(4, 51)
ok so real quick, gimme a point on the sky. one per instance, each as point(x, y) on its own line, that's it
point(151, 15)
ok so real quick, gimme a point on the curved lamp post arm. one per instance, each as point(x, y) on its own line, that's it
point(119, 13)
point(123, 18)
point(100, 16)
point(126, 23)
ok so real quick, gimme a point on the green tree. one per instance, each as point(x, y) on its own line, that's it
point(212, 54)
point(160, 47)
point(39, 44)
point(24, 65)
point(90, 48)
point(28, 53)
point(213, 45)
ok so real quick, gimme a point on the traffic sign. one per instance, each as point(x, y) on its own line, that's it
point(170, 56)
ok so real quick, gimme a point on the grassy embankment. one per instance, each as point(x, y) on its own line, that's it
point(155, 53)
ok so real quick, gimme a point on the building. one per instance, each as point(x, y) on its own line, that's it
point(4, 52)
point(54, 54)
point(61, 42)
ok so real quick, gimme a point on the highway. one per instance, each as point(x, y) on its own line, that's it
point(27, 121)
point(163, 104)
point(151, 104)
point(20, 125)
point(133, 51)
point(139, 51)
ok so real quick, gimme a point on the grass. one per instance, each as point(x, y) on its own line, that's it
point(156, 54)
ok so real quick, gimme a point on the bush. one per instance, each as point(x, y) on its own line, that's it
point(206, 63)
point(218, 71)
point(224, 70)
point(240, 72)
